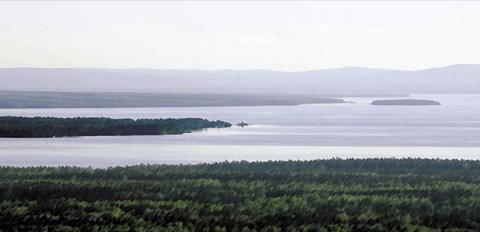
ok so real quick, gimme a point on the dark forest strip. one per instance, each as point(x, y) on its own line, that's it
point(44, 127)
point(321, 195)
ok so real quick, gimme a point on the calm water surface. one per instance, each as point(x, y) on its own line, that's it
point(451, 130)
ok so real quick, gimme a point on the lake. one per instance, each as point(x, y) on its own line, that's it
point(314, 131)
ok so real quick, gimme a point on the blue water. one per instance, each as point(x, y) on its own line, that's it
point(451, 130)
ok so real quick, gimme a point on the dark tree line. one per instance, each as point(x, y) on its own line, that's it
point(321, 195)
point(22, 127)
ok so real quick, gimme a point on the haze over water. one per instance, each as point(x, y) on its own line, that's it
point(276, 132)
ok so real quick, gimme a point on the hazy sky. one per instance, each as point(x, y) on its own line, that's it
point(239, 35)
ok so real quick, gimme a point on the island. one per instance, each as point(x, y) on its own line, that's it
point(406, 102)
point(242, 124)
point(48, 127)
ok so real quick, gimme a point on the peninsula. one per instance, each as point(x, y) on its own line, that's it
point(48, 127)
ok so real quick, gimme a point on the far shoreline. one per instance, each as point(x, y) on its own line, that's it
point(405, 102)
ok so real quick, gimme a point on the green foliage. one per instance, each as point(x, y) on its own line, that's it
point(320, 195)
point(21, 127)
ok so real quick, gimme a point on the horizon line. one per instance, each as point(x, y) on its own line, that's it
point(239, 70)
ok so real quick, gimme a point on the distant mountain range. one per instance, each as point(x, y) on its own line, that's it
point(462, 78)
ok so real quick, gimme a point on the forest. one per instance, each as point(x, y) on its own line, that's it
point(47, 127)
point(320, 195)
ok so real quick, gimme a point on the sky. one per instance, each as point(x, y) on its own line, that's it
point(274, 35)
